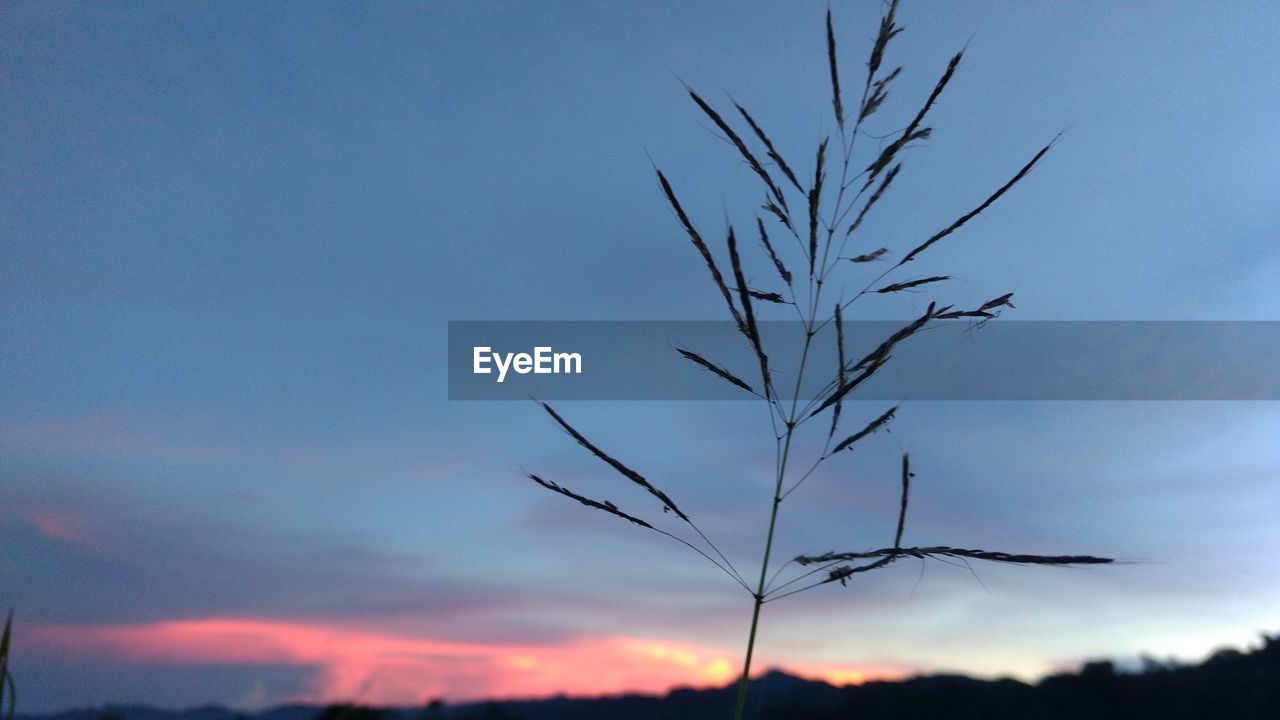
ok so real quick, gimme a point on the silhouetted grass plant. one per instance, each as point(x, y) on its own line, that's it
point(823, 216)
point(7, 691)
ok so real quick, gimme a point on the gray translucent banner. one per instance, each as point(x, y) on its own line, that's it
point(948, 360)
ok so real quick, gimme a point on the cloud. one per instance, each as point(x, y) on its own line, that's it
point(352, 663)
point(57, 527)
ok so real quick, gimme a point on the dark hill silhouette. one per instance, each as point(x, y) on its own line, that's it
point(1229, 684)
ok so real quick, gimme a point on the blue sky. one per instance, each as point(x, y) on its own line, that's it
point(232, 236)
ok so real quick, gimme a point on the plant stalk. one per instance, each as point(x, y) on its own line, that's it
point(741, 705)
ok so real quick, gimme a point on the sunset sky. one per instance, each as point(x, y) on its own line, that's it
point(231, 237)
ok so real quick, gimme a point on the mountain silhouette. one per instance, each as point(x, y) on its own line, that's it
point(1229, 684)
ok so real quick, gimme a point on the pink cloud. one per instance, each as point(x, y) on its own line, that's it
point(56, 527)
point(373, 667)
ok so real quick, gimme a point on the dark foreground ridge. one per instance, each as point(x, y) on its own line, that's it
point(1229, 684)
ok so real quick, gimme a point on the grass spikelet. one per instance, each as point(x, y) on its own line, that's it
point(899, 287)
point(965, 313)
point(982, 312)
point(875, 360)
point(878, 94)
point(899, 336)
point(871, 427)
point(698, 243)
point(913, 130)
point(1001, 301)
point(773, 154)
point(888, 30)
point(835, 73)
point(753, 332)
point(985, 204)
point(838, 318)
point(875, 197)
point(777, 261)
point(779, 213)
point(769, 297)
point(716, 369)
point(815, 198)
point(604, 505)
point(841, 390)
point(752, 162)
point(869, 257)
point(632, 475)
point(944, 551)
point(608, 507)
point(902, 507)
point(875, 91)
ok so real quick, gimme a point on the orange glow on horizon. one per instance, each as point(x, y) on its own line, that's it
point(387, 669)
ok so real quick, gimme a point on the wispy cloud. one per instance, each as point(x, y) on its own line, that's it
point(57, 527)
point(352, 663)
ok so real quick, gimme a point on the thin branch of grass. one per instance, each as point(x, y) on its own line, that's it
point(945, 551)
point(752, 162)
point(870, 428)
point(950, 229)
point(774, 593)
point(835, 73)
point(840, 574)
point(1001, 301)
point(901, 513)
point(769, 297)
point(815, 198)
point(777, 261)
point(602, 505)
point(632, 475)
point(608, 507)
point(913, 131)
point(984, 312)
point(986, 203)
point(840, 375)
point(879, 357)
point(637, 478)
point(873, 93)
point(844, 388)
point(899, 287)
point(847, 141)
point(878, 94)
point(774, 577)
point(902, 508)
point(805, 476)
point(875, 197)
point(717, 370)
point(753, 330)
point(768, 145)
point(866, 288)
point(783, 218)
point(888, 30)
point(701, 246)
point(874, 361)
point(886, 556)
